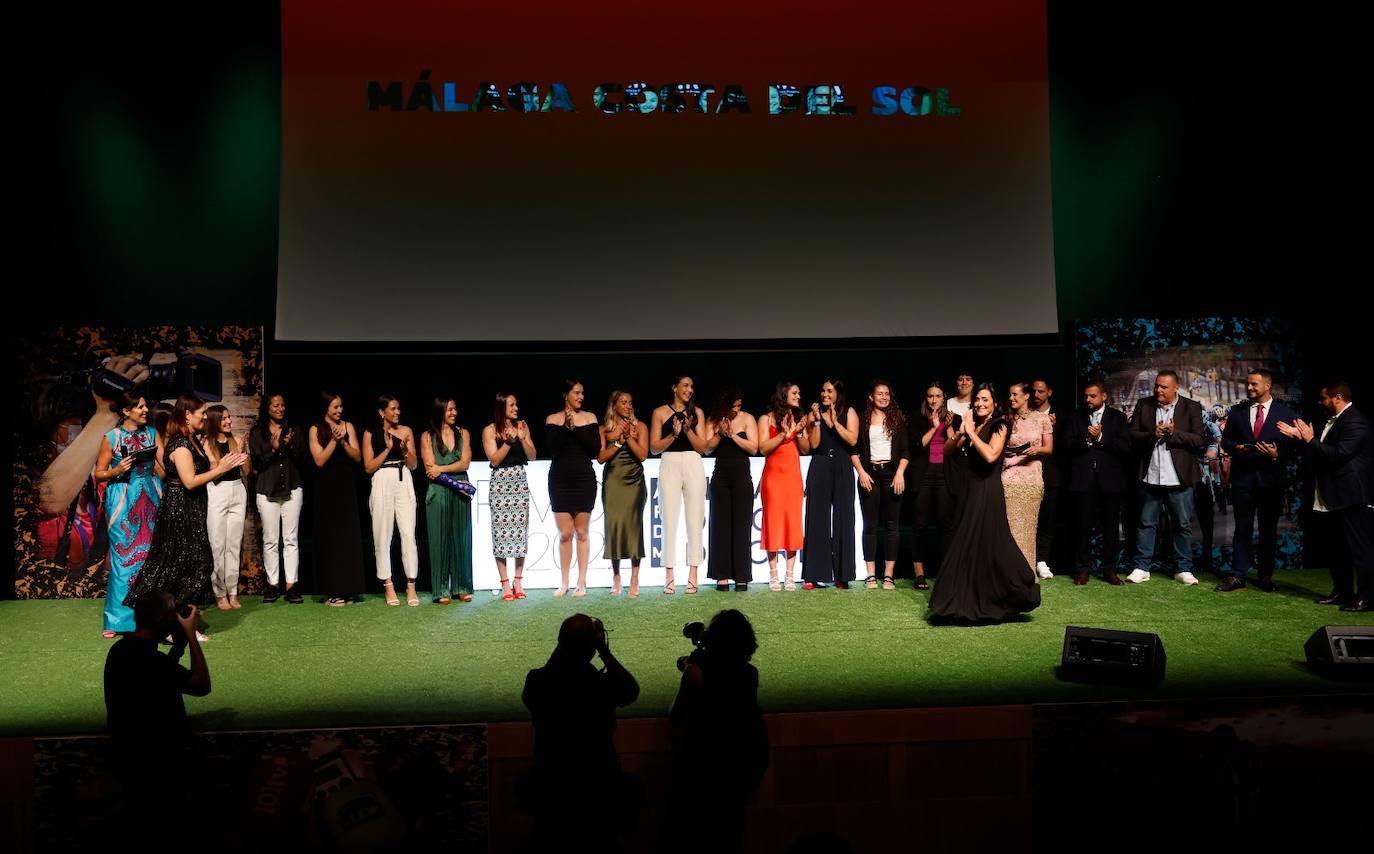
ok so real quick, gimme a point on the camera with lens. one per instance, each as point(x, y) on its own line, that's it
point(190, 373)
point(696, 633)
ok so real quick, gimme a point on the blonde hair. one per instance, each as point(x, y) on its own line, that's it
point(612, 417)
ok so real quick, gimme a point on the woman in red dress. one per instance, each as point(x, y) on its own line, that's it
point(782, 440)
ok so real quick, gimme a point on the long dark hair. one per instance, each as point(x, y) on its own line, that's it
point(185, 405)
point(1010, 415)
point(925, 402)
point(383, 401)
point(498, 411)
point(126, 400)
point(214, 417)
point(778, 407)
point(998, 416)
point(841, 402)
point(725, 401)
point(437, 414)
point(265, 415)
point(894, 419)
point(161, 416)
point(322, 431)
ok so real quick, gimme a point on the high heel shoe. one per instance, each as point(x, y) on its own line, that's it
point(788, 584)
point(668, 587)
point(390, 590)
point(507, 593)
point(773, 583)
point(412, 598)
point(518, 588)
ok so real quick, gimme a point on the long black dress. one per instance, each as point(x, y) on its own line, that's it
point(572, 481)
point(984, 576)
point(338, 533)
point(179, 559)
point(829, 552)
point(732, 515)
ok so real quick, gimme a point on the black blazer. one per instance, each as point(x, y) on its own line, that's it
point(1102, 462)
point(901, 446)
point(1183, 445)
point(1344, 464)
point(1252, 469)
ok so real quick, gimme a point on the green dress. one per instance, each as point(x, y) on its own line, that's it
point(622, 497)
point(449, 516)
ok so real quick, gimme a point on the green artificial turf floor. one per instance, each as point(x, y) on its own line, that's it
point(288, 666)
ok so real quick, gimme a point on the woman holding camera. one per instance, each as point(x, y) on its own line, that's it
point(179, 558)
point(720, 740)
point(130, 464)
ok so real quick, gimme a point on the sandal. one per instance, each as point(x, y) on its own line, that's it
point(336, 602)
point(741, 586)
point(871, 582)
point(888, 583)
point(579, 592)
point(615, 584)
point(921, 583)
point(222, 603)
point(464, 597)
point(691, 588)
point(442, 600)
point(773, 583)
point(788, 584)
point(517, 588)
point(390, 590)
point(234, 602)
point(668, 587)
point(507, 593)
point(109, 635)
point(412, 598)
point(723, 586)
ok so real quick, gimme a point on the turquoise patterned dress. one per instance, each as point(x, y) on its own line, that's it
point(131, 504)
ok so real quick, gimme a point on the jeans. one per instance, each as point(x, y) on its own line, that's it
point(1179, 501)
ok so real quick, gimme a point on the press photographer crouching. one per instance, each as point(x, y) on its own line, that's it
point(572, 706)
point(149, 733)
point(720, 740)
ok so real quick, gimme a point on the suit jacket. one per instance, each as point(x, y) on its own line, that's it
point(1103, 461)
point(1344, 463)
point(1252, 469)
point(1183, 445)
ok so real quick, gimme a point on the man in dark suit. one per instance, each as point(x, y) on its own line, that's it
point(1342, 459)
point(1258, 452)
point(1166, 432)
point(1096, 448)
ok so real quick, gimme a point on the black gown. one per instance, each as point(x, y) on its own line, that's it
point(179, 558)
point(572, 481)
point(338, 533)
point(829, 552)
point(984, 576)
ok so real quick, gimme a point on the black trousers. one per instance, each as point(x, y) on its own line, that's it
point(880, 505)
point(1104, 510)
point(732, 524)
point(1247, 503)
point(1204, 505)
point(829, 552)
point(933, 503)
point(1350, 533)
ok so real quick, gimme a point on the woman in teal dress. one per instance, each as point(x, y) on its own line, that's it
point(130, 465)
point(446, 449)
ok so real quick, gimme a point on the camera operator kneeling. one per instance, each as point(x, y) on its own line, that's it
point(720, 740)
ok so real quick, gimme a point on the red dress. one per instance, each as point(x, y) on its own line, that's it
point(781, 490)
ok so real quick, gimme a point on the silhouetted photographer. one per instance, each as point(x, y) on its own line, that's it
point(720, 740)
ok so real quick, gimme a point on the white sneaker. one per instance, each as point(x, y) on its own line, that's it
point(1042, 569)
point(1138, 576)
point(1185, 578)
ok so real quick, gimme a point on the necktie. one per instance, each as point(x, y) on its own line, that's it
point(1259, 419)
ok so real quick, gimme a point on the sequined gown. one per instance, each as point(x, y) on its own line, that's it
point(1024, 484)
point(179, 559)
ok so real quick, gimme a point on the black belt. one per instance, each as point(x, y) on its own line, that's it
point(399, 465)
point(880, 466)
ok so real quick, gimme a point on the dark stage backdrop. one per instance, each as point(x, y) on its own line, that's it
point(626, 171)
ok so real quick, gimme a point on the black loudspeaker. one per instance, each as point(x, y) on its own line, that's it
point(1107, 655)
point(1342, 651)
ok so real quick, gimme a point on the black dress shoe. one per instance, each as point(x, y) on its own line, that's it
point(1265, 583)
point(270, 594)
point(293, 596)
point(1231, 583)
point(1113, 579)
point(1336, 599)
point(1080, 580)
point(1359, 606)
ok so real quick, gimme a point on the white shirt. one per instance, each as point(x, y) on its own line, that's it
point(879, 444)
point(1162, 471)
point(1254, 411)
point(958, 407)
point(1319, 506)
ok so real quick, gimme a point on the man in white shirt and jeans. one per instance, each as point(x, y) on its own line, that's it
point(1167, 432)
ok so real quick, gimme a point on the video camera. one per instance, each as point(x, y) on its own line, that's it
point(191, 373)
point(696, 633)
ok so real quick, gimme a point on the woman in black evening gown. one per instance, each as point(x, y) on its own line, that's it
point(573, 437)
point(179, 558)
point(984, 576)
point(338, 533)
point(734, 438)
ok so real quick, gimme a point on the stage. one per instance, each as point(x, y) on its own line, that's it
point(283, 666)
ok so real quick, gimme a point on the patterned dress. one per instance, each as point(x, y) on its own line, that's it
point(1024, 484)
point(131, 503)
point(509, 499)
point(179, 558)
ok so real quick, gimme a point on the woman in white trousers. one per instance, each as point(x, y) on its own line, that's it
point(678, 434)
point(389, 458)
point(227, 504)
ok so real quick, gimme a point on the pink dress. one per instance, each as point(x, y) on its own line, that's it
point(1023, 484)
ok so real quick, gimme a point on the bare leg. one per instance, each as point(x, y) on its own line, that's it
point(615, 577)
point(773, 583)
point(565, 550)
point(634, 580)
point(584, 548)
point(790, 583)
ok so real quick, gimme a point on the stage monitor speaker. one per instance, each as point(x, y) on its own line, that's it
point(1107, 655)
point(1342, 651)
